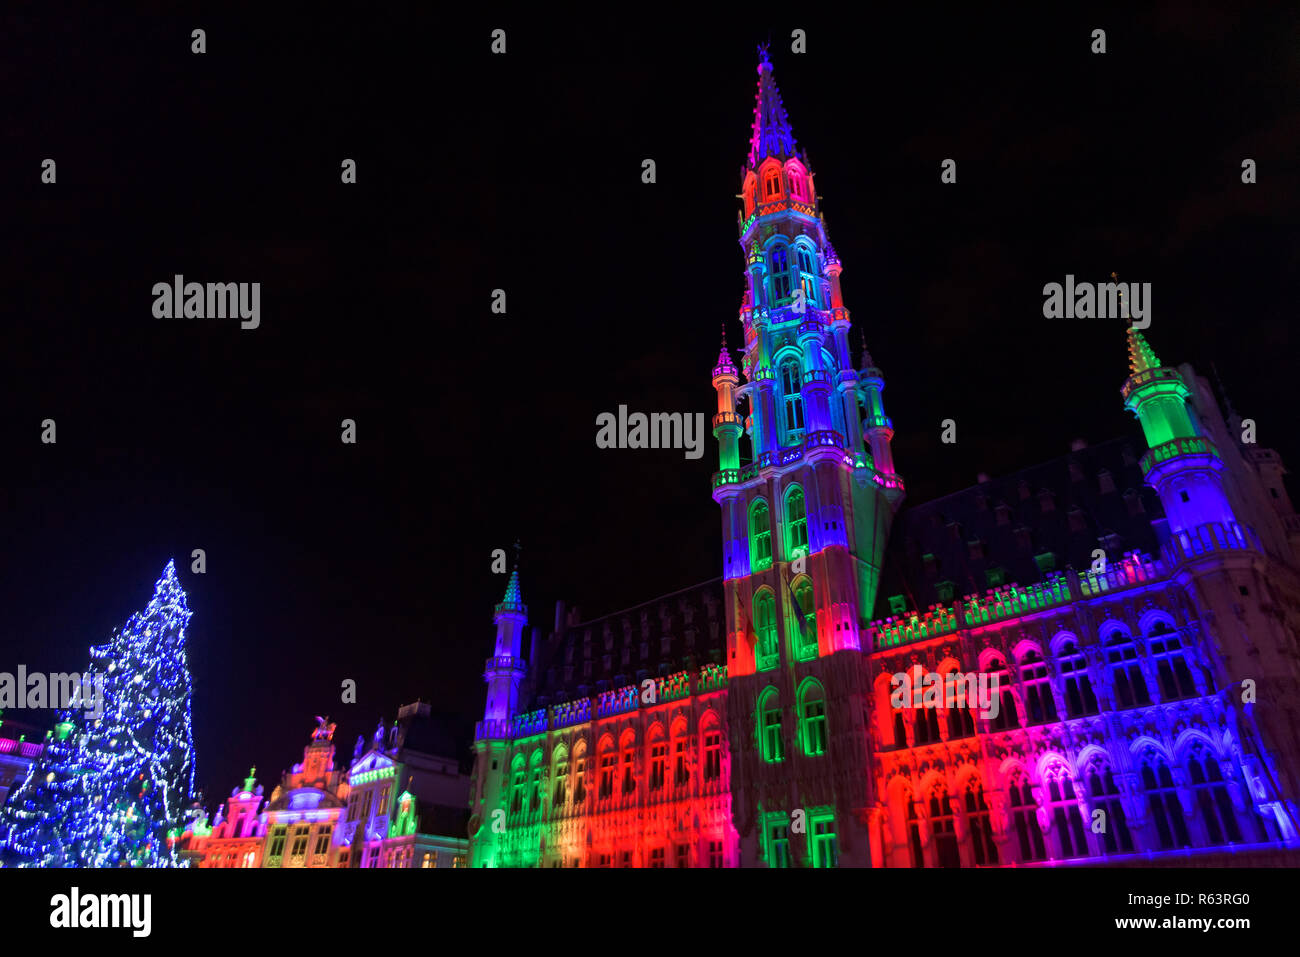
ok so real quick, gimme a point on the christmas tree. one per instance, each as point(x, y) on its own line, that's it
point(118, 773)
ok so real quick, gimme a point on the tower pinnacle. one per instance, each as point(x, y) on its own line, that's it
point(770, 134)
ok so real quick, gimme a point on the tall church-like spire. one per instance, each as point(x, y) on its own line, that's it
point(770, 134)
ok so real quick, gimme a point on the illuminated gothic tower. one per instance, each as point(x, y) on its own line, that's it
point(503, 673)
point(805, 523)
point(1241, 578)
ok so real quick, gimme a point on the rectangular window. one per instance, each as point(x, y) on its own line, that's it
point(715, 853)
point(323, 842)
point(657, 857)
point(277, 840)
point(629, 782)
point(824, 847)
point(778, 844)
point(815, 727)
point(658, 766)
point(773, 744)
point(607, 775)
point(713, 756)
point(683, 855)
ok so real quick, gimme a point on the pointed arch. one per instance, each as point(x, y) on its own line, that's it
point(810, 703)
point(790, 380)
point(803, 618)
point(767, 722)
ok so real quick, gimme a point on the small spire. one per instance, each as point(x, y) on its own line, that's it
point(1223, 391)
point(1141, 357)
point(725, 365)
point(513, 597)
point(868, 364)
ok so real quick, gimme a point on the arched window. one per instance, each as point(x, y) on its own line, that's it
point(804, 610)
point(977, 823)
point(796, 523)
point(1170, 658)
point(1040, 706)
point(681, 766)
point(760, 536)
point(1104, 796)
point(1121, 657)
point(965, 699)
point(712, 750)
point(1073, 668)
point(1024, 817)
point(812, 718)
point(779, 270)
point(1211, 796)
point(608, 761)
point(925, 726)
point(561, 777)
point(793, 402)
point(770, 740)
point(535, 800)
point(798, 185)
point(629, 763)
point(1063, 808)
point(914, 832)
point(1162, 803)
point(771, 183)
point(658, 759)
point(519, 780)
point(1007, 717)
point(806, 260)
point(765, 630)
point(943, 827)
point(580, 773)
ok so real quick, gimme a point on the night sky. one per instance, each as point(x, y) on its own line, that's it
point(522, 172)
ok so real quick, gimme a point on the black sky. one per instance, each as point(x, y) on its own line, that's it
point(522, 172)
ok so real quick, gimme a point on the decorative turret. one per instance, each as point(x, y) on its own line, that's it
point(505, 669)
point(726, 422)
point(1181, 464)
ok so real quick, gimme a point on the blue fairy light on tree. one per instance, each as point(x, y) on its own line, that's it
point(117, 774)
